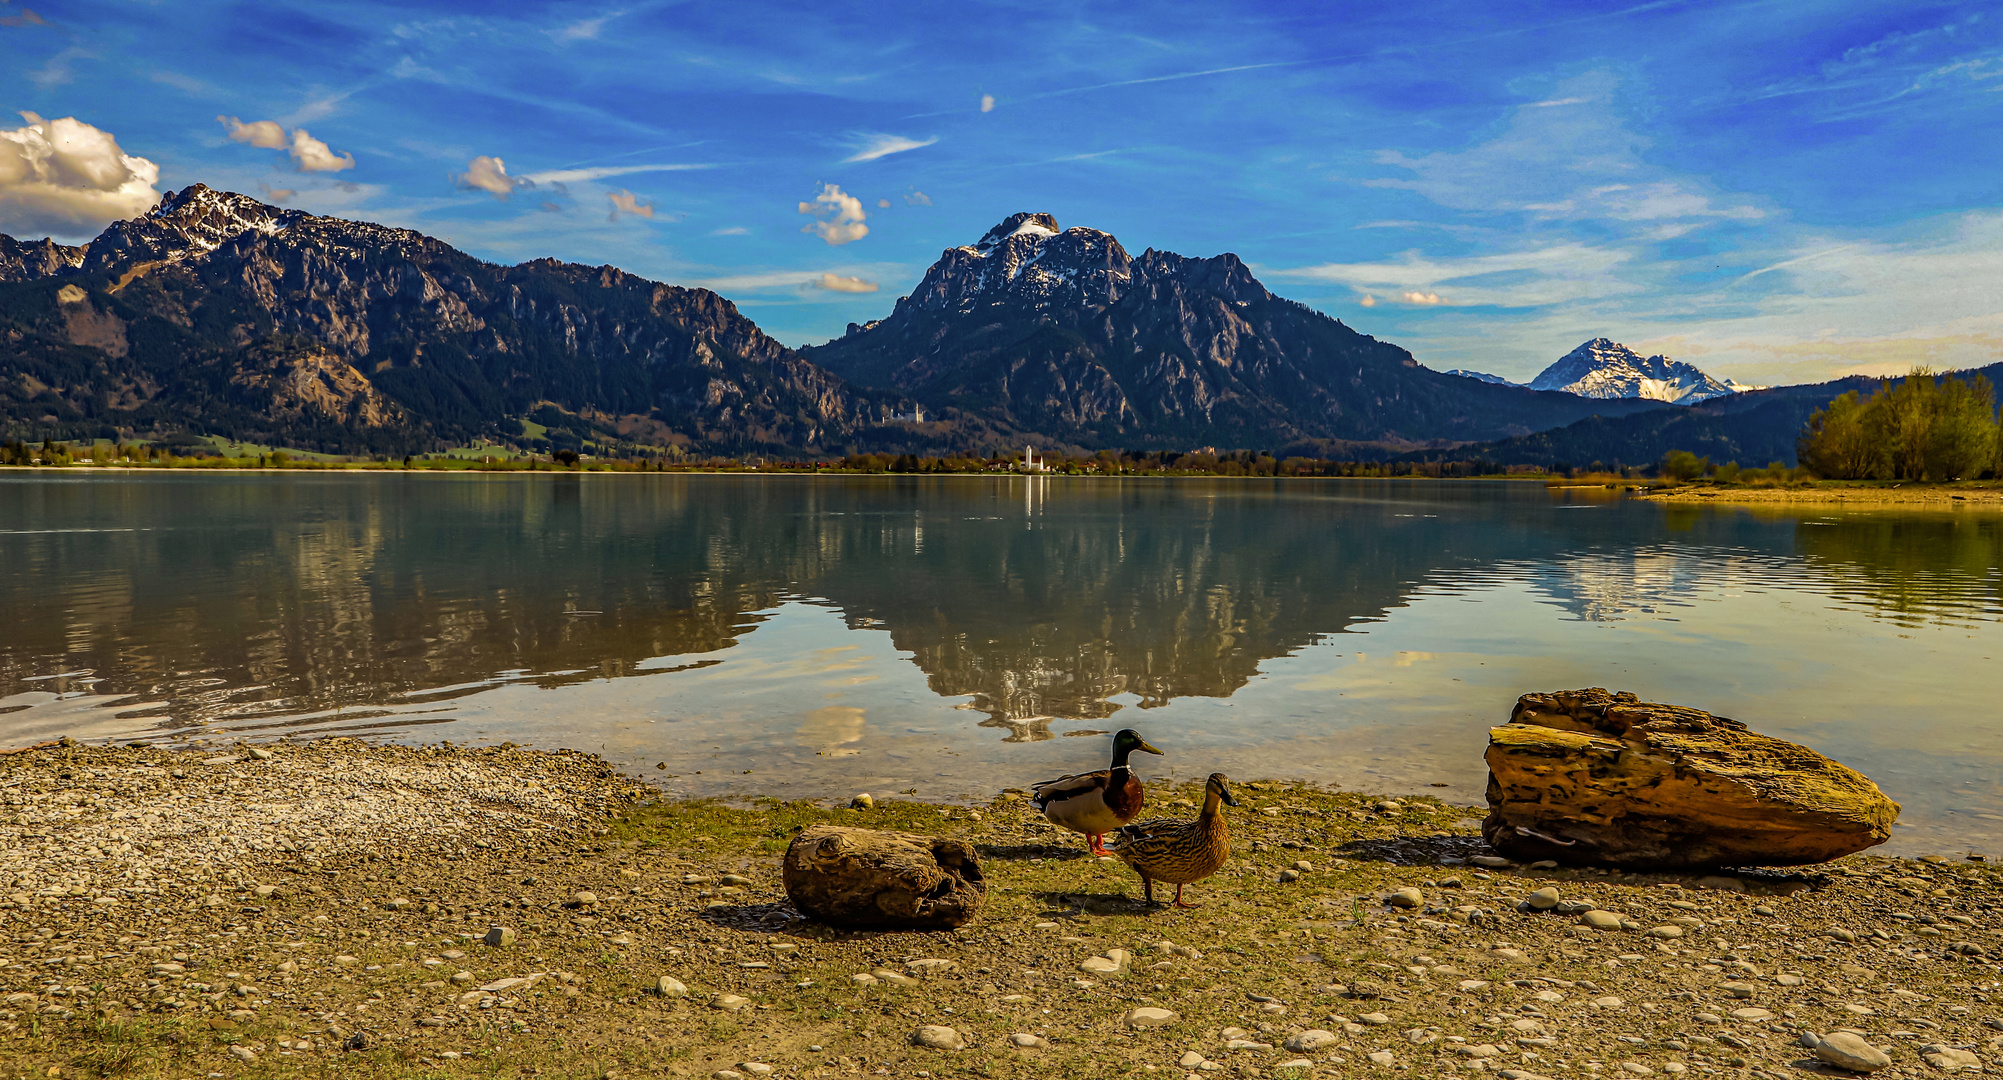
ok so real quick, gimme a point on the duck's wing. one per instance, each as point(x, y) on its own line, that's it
point(1069, 787)
point(1141, 838)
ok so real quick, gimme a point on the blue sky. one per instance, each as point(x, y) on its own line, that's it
point(1776, 191)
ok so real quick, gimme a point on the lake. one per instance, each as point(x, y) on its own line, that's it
point(946, 637)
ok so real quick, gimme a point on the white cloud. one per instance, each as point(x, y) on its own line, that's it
point(265, 134)
point(312, 155)
point(883, 204)
point(987, 103)
point(65, 177)
point(625, 202)
point(1421, 299)
point(1368, 300)
point(734, 230)
point(308, 153)
point(489, 174)
point(917, 198)
point(879, 146)
point(840, 216)
point(841, 283)
point(576, 176)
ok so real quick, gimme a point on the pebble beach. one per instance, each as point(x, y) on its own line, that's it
point(436, 911)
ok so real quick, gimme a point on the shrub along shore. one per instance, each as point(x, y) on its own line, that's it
point(338, 908)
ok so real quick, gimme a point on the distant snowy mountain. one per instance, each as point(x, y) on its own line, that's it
point(1482, 376)
point(1602, 368)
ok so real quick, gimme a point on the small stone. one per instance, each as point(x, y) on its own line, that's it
point(930, 967)
point(733, 881)
point(582, 899)
point(862, 802)
point(1752, 1014)
point(1543, 899)
point(1949, 1059)
point(462, 977)
point(730, 1002)
point(1115, 962)
point(1637, 1068)
point(1374, 1019)
point(1247, 1044)
point(726, 1074)
point(1308, 1042)
point(1287, 876)
point(500, 936)
point(754, 1068)
point(1027, 1041)
point(1608, 1002)
point(1843, 934)
point(1386, 1058)
point(1601, 920)
point(1739, 990)
point(862, 979)
point(938, 1037)
point(258, 754)
point(1297, 1063)
point(1848, 1050)
point(1149, 1017)
point(1666, 932)
point(1190, 1060)
point(1304, 866)
point(243, 1053)
point(264, 892)
point(1493, 862)
point(668, 986)
point(1406, 898)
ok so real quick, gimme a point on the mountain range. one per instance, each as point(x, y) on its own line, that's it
point(217, 313)
point(1603, 368)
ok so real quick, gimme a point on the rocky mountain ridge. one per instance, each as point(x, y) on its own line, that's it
point(218, 312)
point(1061, 331)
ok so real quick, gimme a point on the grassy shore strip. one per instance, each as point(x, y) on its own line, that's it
point(1987, 494)
point(321, 911)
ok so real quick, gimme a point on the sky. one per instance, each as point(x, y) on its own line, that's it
point(1779, 192)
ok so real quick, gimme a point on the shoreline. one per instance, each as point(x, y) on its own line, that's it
point(281, 910)
point(1859, 497)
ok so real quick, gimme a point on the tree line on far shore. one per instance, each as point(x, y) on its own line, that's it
point(1923, 427)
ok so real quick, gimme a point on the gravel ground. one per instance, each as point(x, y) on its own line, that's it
point(327, 909)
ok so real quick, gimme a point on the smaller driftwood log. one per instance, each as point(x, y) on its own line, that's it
point(884, 880)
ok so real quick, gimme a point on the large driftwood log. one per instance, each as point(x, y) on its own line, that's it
point(1592, 778)
point(883, 880)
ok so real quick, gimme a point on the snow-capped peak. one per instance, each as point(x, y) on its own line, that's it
point(1604, 368)
point(1039, 226)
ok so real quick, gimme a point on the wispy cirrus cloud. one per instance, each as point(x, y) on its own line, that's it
point(574, 176)
point(583, 29)
point(876, 146)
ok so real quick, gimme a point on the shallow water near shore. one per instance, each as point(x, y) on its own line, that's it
point(814, 637)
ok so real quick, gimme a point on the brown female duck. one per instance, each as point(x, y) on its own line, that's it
point(1180, 852)
point(1096, 803)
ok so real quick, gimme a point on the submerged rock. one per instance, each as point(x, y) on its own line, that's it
point(1589, 777)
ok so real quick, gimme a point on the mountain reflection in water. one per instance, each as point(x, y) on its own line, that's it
point(1351, 631)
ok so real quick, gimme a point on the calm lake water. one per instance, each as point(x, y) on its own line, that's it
point(948, 636)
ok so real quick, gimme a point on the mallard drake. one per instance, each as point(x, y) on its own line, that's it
point(1162, 849)
point(1096, 803)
